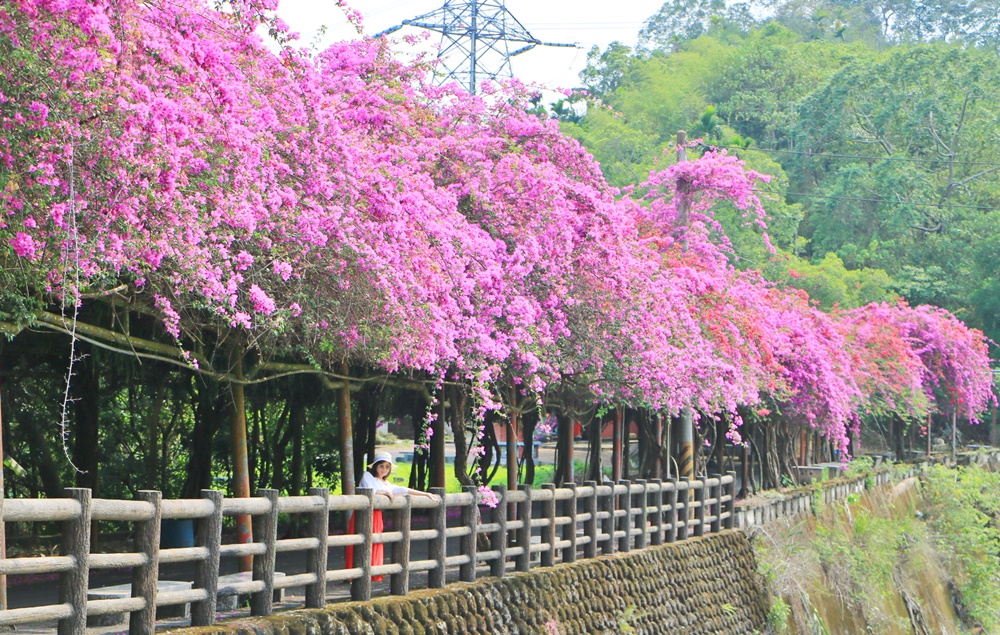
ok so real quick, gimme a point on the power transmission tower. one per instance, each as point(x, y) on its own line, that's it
point(475, 40)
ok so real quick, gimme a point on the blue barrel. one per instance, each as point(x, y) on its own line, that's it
point(176, 533)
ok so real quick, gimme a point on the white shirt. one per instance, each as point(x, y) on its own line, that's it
point(378, 485)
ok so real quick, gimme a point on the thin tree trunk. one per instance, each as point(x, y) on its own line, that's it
point(241, 465)
point(458, 404)
point(296, 425)
point(594, 468)
point(616, 446)
point(86, 390)
point(152, 429)
point(282, 436)
point(528, 423)
point(438, 470)
point(564, 450)
point(347, 480)
point(208, 415)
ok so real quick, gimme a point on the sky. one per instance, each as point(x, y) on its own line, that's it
point(583, 22)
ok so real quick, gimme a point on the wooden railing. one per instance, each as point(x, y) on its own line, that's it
point(559, 525)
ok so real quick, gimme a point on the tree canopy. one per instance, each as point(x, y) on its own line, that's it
point(177, 192)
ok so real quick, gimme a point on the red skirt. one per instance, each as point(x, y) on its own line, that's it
point(378, 549)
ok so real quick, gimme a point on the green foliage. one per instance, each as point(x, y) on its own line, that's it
point(964, 512)
point(879, 136)
point(859, 465)
point(830, 283)
point(778, 614)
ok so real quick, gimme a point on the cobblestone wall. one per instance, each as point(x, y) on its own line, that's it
point(704, 585)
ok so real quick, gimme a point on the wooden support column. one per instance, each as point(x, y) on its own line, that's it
point(498, 539)
point(523, 561)
point(569, 530)
point(319, 528)
point(470, 519)
point(265, 526)
point(361, 588)
point(590, 526)
point(625, 543)
point(144, 577)
point(73, 583)
point(206, 572)
point(438, 550)
point(399, 583)
point(549, 531)
point(671, 489)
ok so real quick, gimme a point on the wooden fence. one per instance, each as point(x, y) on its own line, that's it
point(559, 525)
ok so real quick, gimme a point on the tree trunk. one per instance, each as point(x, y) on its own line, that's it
point(151, 425)
point(86, 390)
point(528, 422)
point(238, 434)
point(594, 468)
point(365, 427)
point(208, 415)
point(282, 436)
point(438, 470)
point(347, 479)
point(489, 461)
point(616, 445)
point(564, 451)
point(296, 425)
point(458, 401)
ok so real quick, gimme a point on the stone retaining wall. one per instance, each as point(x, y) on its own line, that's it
point(703, 585)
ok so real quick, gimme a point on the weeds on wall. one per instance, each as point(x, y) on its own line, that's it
point(963, 508)
point(860, 565)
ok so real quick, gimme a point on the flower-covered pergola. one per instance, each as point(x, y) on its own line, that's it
point(318, 212)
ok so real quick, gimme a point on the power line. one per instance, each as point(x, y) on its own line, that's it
point(858, 156)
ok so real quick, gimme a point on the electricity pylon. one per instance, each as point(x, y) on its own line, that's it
point(475, 40)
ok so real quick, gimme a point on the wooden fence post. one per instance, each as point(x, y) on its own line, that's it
point(206, 572)
point(399, 583)
point(642, 540)
point(498, 539)
point(716, 524)
point(523, 562)
point(361, 588)
point(569, 530)
point(470, 519)
point(549, 531)
point(438, 548)
point(657, 537)
point(671, 485)
point(590, 525)
point(73, 583)
point(683, 496)
point(730, 505)
point(608, 524)
point(265, 529)
point(319, 528)
point(701, 498)
point(625, 542)
point(144, 578)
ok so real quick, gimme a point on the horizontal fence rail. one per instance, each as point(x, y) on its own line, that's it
point(529, 527)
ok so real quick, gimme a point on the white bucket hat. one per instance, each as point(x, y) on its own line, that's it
point(382, 456)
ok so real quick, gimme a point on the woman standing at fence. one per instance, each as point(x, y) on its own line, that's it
point(376, 478)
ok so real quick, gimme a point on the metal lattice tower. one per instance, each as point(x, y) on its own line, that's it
point(475, 40)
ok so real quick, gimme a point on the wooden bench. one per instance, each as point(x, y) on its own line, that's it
point(229, 597)
point(123, 591)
